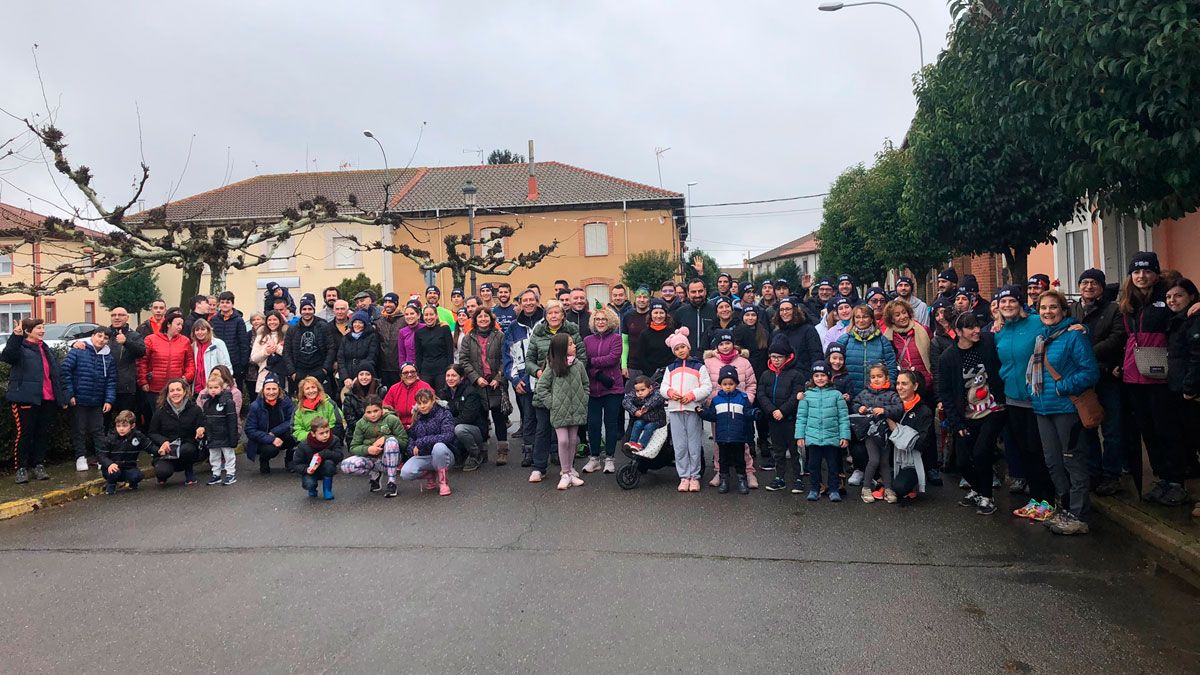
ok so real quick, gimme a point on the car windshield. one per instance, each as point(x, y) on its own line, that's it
point(56, 331)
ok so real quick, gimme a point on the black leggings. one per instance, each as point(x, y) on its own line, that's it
point(165, 468)
point(500, 422)
point(1149, 415)
point(977, 451)
point(1023, 427)
point(32, 424)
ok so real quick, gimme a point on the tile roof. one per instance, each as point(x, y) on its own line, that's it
point(806, 244)
point(414, 190)
point(14, 219)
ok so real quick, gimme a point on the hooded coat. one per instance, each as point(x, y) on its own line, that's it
point(89, 376)
point(539, 345)
point(1071, 355)
point(862, 353)
point(233, 333)
point(566, 397)
point(358, 353)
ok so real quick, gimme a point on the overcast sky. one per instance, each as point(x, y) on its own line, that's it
point(755, 100)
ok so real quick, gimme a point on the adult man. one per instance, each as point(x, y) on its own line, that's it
point(153, 323)
point(126, 346)
point(274, 291)
point(229, 327)
point(577, 311)
point(280, 305)
point(89, 379)
point(632, 326)
point(782, 290)
point(947, 284)
point(746, 296)
point(904, 291)
point(619, 304)
point(560, 285)
point(669, 296)
point(530, 313)
point(767, 300)
point(504, 311)
point(847, 288)
point(200, 310)
point(335, 330)
point(516, 344)
point(816, 304)
point(1037, 284)
point(698, 314)
point(724, 289)
point(306, 347)
point(456, 300)
point(433, 295)
point(486, 295)
point(1107, 333)
point(365, 301)
point(980, 307)
point(387, 327)
point(330, 295)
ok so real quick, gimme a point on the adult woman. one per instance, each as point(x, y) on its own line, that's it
point(836, 322)
point(312, 403)
point(269, 424)
point(866, 346)
point(1016, 332)
point(918, 416)
point(429, 442)
point(208, 352)
point(359, 348)
point(401, 397)
point(1063, 365)
point(726, 321)
point(434, 348)
point(266, 349)
point(462, 326)
point(354, 396)
point(34, 393)
point(168, 356)
point(792, 323)
point(1148, 409)
point(971, 392)
point(606, 389)
point(250, 380)
point(470, 418)
point(175, 427)
point(536, 355)
point(481, 355)
point(1183, 365)
point(652, 343)
point(406, 345)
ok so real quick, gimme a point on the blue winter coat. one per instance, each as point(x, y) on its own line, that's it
point(1014, 346)
point(822, 417)
point(259, 433)
point(734, 415)
point(1071, 355)
point(862, 354)
point(27, 373)
point(90, 377)
point(516, 343)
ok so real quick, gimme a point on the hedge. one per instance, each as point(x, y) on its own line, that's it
point(60, 449)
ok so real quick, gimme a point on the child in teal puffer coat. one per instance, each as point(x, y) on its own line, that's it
point(823, 427)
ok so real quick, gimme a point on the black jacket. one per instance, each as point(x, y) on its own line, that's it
point(1106, 331)
point(27, 373)
point(166, 426)
point(126, 356)
point(805, 343)
point(951, 391)
point(123, 450)
point(388, 330)
point(466, 405)
point(355, 354)
point(307, 347)
point(581, 319)
point(233, 333)
point(653, 349)
point(335, 453)
point(435, 350)
point(221, 421)
point(191, 319)
point(777, 391)
point(698, 320)
point(1183, 354)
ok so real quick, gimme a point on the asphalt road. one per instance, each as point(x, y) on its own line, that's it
point(505, 576)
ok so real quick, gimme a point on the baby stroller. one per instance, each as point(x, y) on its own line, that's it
point(657, 454)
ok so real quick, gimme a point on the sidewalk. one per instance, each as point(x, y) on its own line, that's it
point(1171, 529)
point(65, 485)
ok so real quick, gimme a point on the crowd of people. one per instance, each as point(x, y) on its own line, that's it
point(820, 386)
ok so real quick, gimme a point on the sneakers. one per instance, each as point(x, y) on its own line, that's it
point(1053, 519)
point(215, 480)
point(593, 465)
point(684, 485)
point(564, 481)
point(81, 464)
point(767, 464)
point(1068, 525)
point(374, 485)
point(889, 496)
point(535, 476)
point(986, 507)
point(1108, 488)
point(473, 463)
point(610, 466)
point(576, 481)
point(1042, 512)
point(744, 489)
point(22, 476)
point(694, 485)
point(716, 480)
point(1174, 495)
point(996, 481)
point(777, 483)
point(970, 499)
point(229, 479)
point(39, 473)
point(963, 484)
point(1016, 486)
point(110, 488)
point(798, 487)
point(722, 484)
point(835, 496)
point(813, 495)
point(1156, 492)
point(391, 491)
point(1028, 510)
point(934, 477)
point(867, 497)
point(856, 478)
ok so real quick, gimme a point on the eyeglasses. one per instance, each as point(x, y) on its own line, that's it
point(408, 372)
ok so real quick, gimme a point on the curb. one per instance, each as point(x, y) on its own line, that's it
point(1181, 547)
point(20, 507)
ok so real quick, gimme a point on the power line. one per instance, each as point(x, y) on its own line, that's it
point(762, 201)
point(756, 213)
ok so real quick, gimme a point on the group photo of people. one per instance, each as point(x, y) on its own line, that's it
point(827, 391)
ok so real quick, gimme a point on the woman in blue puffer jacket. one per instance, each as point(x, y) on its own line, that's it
point(866, 346)
point(1068, 353)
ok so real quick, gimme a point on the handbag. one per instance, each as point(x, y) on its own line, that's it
point(1151, 362)
point(1086, 403)
point(904, 438)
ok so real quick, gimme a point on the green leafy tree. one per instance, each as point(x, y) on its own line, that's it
point(505, 157)
point(649, 269)
point(843, 236)
point(790, 271)
point(134, 291)
point(348, 288)
point(702, 266)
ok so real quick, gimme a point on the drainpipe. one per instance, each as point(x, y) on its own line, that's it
point(625, 210)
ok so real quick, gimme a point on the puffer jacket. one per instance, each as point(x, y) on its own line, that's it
point(367, 432)
point(406, 344)
point(429, 430)
point(604, 358)
point(335, 453)
point(887, 399)
point(1071, 355)
point(654, 404)
point(686, 377)
point(215, 354)
point(401, 399)
point(539, 345)
point(566, 397)
point(806, 345)
point(259, 430)
point(126, 357)
point(778, 388)
point(388, 330)
point(233, 333)
point(123, 450)
point(1014, 346)
point(89, 376)
point(1146, 327)
point(516, 345)
point(354, 401)
point(220, 420)
point(471, 357)
point(1106, 331)
point(28, 372)
point(862, 354)
point(822, 418)
point(465, 402)
point(1183, 354)
point(303, 417)
point(166, 359)
point(734, 417)
point(355, 354)
point(747, 381)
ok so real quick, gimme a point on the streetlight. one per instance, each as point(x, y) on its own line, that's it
point(383, 228)
point(835, 6)
point(469, 191)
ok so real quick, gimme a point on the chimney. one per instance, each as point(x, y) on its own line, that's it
point(533, 186)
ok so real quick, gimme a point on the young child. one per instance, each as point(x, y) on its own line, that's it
point(839, 377)
point(823, 430)
point(89, 379)
point(732, 413)
point(230, 383)
point(378, 440)
point(118, 455)
point(313, 403)
point(317, 458)
point(725, 353)
point(880, 401)
point(429, 441)
point(777, 399)
point(685, 382)
point(563, 389)
point(647, 408)
point(221, 429)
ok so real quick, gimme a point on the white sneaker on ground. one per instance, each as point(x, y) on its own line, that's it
point(535, 477)
point(856, 478)
point(564, 482)
point(609, 466)
point(81, 464)
point(593, 464)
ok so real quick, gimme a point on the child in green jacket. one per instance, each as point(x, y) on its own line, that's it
point(823, 427)
point(376, 445)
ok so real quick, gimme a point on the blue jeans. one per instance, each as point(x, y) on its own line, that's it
point(641, 431)
point(528, 419)
point(606, 411)
point(1105, 462)
point(131, 476)
point(543, 439)
point(832, 456)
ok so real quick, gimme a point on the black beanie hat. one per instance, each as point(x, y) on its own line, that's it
point(970, 284)
point(1145, 260)
point(1010, 291)
point(1095, 275)
point(949, 274)
point(727, 372)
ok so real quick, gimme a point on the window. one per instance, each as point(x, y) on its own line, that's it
point(6, 264)
point(12, 313)
point(1078, 259)
point(597, 293)
point(89, 311)
point(344, 254)
point(595, 239)
point(51, 311)
point(487, 249)
point(281, 259)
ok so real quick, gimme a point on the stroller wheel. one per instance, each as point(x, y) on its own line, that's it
point(628, 476)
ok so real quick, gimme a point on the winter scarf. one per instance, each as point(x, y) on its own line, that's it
point(909, 405)
point(1033, 373)
point(316, 445)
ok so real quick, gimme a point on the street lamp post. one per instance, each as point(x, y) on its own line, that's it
point(383, 228)
point(469, 191)
point(835, 6)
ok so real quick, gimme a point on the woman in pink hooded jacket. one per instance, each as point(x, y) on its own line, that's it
point(723, 353)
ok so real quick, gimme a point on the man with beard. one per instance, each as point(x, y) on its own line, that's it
point(904, 291)
point(387, 327)
point(306, 347)
point(329, 295)
point(620, 304)
point(698, 314)
point(433, 296)
point(505, 311)
point(816, 305)
point(724, 289)
point(947, 285)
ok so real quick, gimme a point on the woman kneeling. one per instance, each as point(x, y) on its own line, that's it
point(429, 442)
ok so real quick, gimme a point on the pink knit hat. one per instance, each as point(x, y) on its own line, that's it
point(679, 337)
